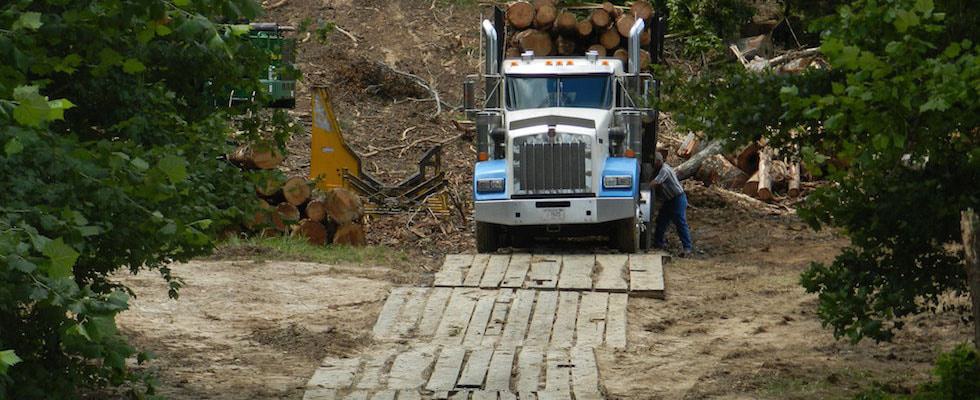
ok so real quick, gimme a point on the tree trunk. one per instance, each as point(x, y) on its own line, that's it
point(566, 22)
point(544, 17)
point(794, 180)
point(751, 187)
point(717, 171)
point(536, 41)
point(624, 24)
point(583, 28)
point(566, 47)
point(313, 231)
point(316, 210)
point(344, 207)
point(642, 9)
point(296, 190)
point(971, 257)
point(600, 19)
point(765, 177)
point(520, 14)
point(690, 167)
point(350, 234)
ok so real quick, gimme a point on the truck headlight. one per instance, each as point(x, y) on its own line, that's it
point(617, 182)
point(490, 185)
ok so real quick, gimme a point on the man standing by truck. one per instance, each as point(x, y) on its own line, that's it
point(673, 206)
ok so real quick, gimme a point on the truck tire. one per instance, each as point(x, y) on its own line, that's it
point(626, 235)
point(646, 237)
point(487, 237)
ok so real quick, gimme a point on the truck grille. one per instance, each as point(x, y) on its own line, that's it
point(546, 168)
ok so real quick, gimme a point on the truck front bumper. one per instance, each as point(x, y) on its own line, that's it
point(554, 211)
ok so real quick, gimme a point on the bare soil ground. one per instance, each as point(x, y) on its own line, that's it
point(735, 324)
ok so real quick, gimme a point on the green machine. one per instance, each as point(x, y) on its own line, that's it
point(279, 80)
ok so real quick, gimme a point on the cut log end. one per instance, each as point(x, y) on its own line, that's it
point(351, 235)
point(313, 231)
point(520, 14)
point(600, 18)
point(624, 24)
point(642, 9)
point(610, 39)
point(584, 28)
point(296, 190)
point(544, 17)
point(343, 206)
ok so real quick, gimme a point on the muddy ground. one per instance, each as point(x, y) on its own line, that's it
point(735, 323)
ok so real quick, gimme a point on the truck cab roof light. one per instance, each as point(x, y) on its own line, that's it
point(527, 56)
point(593, 56)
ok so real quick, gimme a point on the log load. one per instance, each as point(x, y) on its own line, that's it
point(624, 24)
point(296, 191)
point(520, 14)
point(567, 24)
point(545, 15)
point(534, 40)
point(600, 18)
point(642, 9)
point(584, 28)
point(565, 46)
point(313, 231)
point(610, 39)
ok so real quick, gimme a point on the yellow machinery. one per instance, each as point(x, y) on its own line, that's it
point(334, 165)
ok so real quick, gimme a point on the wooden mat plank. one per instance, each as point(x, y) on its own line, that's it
point(563, 333)
point(611, 272)
point(434, 308)
point(410, 368)
point(452, 328)
point(475, 273)
point(320, 394)
point(357, 395)
point(585, 373)
point(589, 396)
point(453, 270)
point(516, 271)
point(499, 373)
point(389, 312)
point(576, 272)
point(507, 396)
point(384, 395)
point(409, 395)
point(372, 376)
point(517, 319)
point(558, 374)
point(529, 363)
point(476, 369)
point(647, 275)
point(528, 395)
point(591, 325)
point(335, 373)
point(550, 395)
point(544, 271)
point(539, 332)
point(498, 317)
point(616, 320)
point(484, 395)
point(494, 273)
point(408, 317)
point(478, 322)
point(447, 368)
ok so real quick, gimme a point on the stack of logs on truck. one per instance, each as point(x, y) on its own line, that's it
point(293, 207)
point(550, 29)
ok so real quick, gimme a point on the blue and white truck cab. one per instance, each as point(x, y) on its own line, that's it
point(565, 145)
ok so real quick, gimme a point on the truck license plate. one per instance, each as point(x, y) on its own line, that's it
point(555, 214)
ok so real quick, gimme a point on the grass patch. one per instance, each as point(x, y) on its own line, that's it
point(293, 249)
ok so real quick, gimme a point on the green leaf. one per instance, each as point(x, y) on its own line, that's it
point(28, 20)
point(62, 258)
point(182, 3)
point(934, 103)
point(140, 164)
point(175, 167)
point(8, 358)
point(58, 108)
point(133, 66)
point(904, 20)
point(20, 264)
point(239, 30)
point(13, 146)
point(924, 6)
point(32, 108)
point(163, 30)
point(110, 57)
point(87, 231)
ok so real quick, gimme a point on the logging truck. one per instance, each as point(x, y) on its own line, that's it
point(565, 144)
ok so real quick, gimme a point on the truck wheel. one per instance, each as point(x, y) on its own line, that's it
point(487, 237)
point(646, 237)
point(626, 235)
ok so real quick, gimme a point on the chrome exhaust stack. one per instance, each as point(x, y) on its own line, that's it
point(491, 70)
point(634, 53)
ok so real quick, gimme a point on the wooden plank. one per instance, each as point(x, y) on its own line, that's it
point(585, 373)
point(507, 396)
point(447, 368)
point(409, 369)
point(384, 395)
point(498, 317)
point(494, 273)
point(589, 396)
point(558, 374)
point(484, 395)
point(517, 318)
point(408, 318)
point(320, 394)
point(576, 272)
point(476, 369)
point(453, 270)
point(409, 395)
point(544, 271)
point(552, 395)
point(389, 312)
point(357, 395)
point(478, 322)
point(516, 271)
point(616, 321)
point(528, 395)
point(544, 317)
point(460, 395)
point(611, 272)
point(434, 307)
point(499, 373)
point(529, 363)
point(590, 328)
point(372, 375)
point(334, 373)
point(475, 274)
point(452, 328)
point(563, 332)
point(647, 275)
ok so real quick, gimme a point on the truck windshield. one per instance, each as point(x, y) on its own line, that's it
point(583, 91)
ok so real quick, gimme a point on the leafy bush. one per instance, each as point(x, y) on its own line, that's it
point(959, 379)
point(112, 145)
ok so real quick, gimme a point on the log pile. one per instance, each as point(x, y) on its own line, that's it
point(292, 207)
point(548, 29)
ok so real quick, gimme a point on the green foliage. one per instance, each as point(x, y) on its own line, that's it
point(705, 24)
point(112, 143)
point(959, 378)
point(894, 126)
